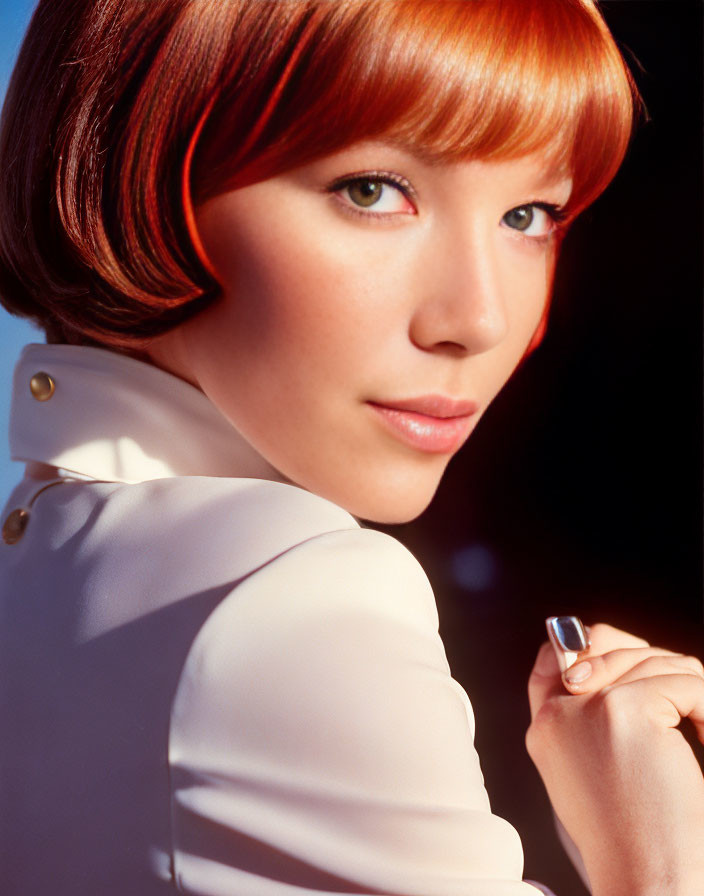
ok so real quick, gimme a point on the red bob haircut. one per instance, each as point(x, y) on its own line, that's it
point(122, 115)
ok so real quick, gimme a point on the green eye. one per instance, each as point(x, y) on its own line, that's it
point(365, 192)
point(375, 194)
point(519, 218)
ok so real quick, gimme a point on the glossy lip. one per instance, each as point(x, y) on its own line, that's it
point(432, 423)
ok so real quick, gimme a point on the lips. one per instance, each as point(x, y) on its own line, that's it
point(432, 423)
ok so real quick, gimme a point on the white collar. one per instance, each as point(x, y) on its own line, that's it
point(114, 418)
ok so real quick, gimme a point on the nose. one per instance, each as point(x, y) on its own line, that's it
point(460, 307)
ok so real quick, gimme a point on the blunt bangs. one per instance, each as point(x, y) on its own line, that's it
point(450, 79)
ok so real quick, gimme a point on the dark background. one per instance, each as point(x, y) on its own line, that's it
point(581, 490)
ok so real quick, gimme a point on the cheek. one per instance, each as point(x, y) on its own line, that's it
point(307, 306)
point(526, 286)
point(527, 290)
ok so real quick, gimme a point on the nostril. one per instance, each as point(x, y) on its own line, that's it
point(455, 349)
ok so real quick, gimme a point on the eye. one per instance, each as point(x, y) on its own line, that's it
point(535, 220)
point(380, 194)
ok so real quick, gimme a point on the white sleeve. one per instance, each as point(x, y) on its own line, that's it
point(319, 744)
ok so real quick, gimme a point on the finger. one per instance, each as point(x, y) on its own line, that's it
point(544, 681)
point(605, 638)
point(596, 672)
point(663, 665)
point(665, 698)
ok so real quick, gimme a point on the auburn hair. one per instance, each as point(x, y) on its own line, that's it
point(123, 115)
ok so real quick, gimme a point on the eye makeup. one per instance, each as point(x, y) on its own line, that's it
point(521, 218)
point(387, 178)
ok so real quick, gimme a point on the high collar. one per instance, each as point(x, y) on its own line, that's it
point(114, 418)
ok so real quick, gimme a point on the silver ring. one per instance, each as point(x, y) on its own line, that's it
point(569, 639)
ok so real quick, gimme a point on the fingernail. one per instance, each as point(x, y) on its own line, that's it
point(579, 672)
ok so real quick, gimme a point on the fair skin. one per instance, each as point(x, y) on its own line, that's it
point(344, 299)
point(329, 305)
point(621, 777)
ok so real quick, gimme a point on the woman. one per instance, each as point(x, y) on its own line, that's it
point(292, 251)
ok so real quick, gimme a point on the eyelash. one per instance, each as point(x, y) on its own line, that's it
point(382, 177)
point(556, 213)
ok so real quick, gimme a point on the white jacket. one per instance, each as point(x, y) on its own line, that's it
point(214, 682)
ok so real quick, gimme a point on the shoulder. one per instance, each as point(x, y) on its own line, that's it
point(337, 579)
point(342, 627)
point(206, 530)
point(353, 571)
point(316, 717)
point(320, 687)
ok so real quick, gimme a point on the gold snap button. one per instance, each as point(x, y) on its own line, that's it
point(14, 526)
point(42, 386)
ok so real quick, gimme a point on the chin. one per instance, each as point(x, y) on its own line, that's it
point(392, 502)
point(392, 518)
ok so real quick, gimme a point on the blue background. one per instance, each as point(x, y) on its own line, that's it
point(14, 333)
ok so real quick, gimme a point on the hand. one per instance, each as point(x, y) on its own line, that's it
point(621, 777)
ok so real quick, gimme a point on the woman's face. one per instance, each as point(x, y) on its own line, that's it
point(374, 303)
